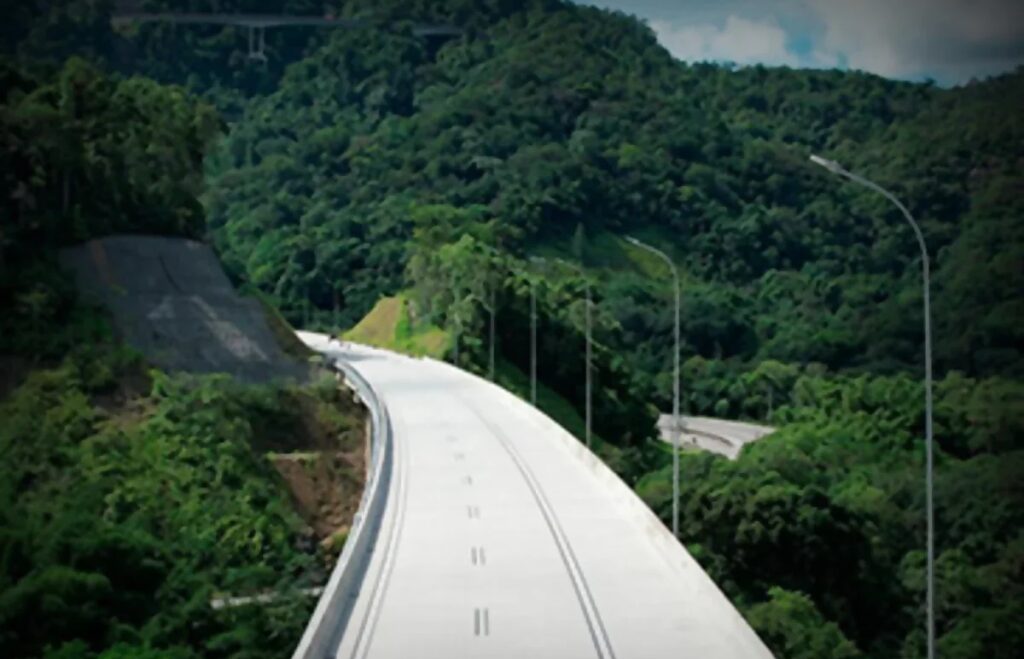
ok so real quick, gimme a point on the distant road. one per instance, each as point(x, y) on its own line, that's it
point(715, 435)
point(503, 537)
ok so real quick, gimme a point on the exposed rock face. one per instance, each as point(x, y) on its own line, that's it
point(171, 300)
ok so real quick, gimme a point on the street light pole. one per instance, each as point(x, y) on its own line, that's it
point(533, 333)
point(454, 312)
point(456, 345)
point(492, 333)
point(586, 288)
point(675, 384)
point(837, 169)
point(589, 357)
point(533, 343)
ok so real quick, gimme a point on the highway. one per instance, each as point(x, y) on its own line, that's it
point(721, 436)
point(503, 537)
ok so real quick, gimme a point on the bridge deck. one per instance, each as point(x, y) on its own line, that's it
point(271, 20)
point(502, 538)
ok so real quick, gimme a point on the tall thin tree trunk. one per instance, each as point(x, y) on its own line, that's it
point(67, 190)
point(337, 313)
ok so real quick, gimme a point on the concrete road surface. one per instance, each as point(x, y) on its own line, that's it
point(720, 436)
point(504, 538)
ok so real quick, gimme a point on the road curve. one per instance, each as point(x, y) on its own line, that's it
point(503, 537)
point(721, 436)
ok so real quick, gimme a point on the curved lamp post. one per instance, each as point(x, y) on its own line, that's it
point(675, 384)
point(838, 170)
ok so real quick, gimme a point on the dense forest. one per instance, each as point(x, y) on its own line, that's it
point(132, 499)
point(360, 163)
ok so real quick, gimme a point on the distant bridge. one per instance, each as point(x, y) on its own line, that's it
point(719, 436)
point(258, 23)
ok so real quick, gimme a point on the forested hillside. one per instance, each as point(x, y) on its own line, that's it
point(552, 119)
point(130, 498)
point(364, 163)
point(548, 116)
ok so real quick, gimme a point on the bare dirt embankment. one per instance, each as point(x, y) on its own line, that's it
point(324, 466)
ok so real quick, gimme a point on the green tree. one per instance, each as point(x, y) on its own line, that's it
point(793, 628)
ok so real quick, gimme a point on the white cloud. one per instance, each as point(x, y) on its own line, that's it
point(951, 40)
point(739, 40)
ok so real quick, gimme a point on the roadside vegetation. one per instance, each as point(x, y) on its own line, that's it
point(824, 520)
point(126, 510)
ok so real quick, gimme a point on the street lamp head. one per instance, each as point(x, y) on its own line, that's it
point(830, 165)
point(633, 241)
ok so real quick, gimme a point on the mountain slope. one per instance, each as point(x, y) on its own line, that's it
point(552, 117)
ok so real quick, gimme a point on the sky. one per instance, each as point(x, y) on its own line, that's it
point(948, 41)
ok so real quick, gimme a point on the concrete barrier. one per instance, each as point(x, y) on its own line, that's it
point(335, 605)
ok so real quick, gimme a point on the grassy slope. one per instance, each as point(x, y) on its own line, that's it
point(377, 328)
point(389, 326)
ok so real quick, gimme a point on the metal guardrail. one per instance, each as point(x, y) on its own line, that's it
point(713, 436)
point(324, 628)
point(686, 430)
